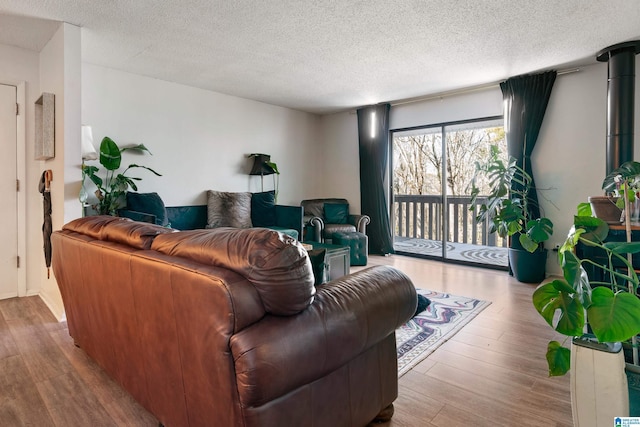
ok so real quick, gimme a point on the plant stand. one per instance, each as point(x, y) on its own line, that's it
point(599, 390)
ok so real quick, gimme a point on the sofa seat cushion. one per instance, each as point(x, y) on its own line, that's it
point(330, 229)
point(276, 264)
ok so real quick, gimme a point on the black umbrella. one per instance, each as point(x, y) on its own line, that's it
point(45, 188)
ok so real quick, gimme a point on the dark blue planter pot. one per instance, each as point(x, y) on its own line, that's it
point(528, 267)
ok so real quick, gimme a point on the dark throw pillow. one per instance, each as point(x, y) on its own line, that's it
point(263, 209)
point(319, 265)
point(149, 203)
point(336, 213)
point(423, 303)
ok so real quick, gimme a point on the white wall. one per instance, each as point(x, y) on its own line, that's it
point(59, 67)
point(569, 158)
point(341, 159)
point(200, 139)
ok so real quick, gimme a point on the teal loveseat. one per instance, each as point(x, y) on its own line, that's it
point(148, 207)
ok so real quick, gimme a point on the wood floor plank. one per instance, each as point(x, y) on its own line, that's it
point(71, 403)
point(482, 404)
point(8, 345)
point(104, 387)
point(20, 402)
point(451, 416)
point(40, 353)
point(501, 374)
point(510, 393)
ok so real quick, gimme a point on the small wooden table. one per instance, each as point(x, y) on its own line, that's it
point(337, 258)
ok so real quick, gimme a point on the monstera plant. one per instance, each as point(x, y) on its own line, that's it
point(112, 185)
point(508, 211)
point(610, 307)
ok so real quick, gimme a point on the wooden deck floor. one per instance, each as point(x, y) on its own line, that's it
point(492, 373)
point(491, 256)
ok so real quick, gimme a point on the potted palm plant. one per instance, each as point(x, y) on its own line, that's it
point(506, 209)
point(112, 187)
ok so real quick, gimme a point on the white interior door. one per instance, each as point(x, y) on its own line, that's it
point(8, 194)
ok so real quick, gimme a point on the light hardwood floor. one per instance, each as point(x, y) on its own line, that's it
point(492, 373)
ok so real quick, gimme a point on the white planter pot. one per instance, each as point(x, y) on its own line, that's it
point(599, 390)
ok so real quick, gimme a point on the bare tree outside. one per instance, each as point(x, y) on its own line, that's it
point(417, 159)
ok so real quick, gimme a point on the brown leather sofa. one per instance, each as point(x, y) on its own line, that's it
point(225, 327)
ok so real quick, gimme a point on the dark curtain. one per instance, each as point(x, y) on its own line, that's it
point(373, 134)
point(525, 102)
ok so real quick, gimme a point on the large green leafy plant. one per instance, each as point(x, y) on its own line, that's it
point(506, 206)
point(610, 308)
point(113, 185)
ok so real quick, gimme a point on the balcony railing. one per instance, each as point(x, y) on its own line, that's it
point(420, 217)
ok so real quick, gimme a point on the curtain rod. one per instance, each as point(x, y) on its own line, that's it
point(465, 90)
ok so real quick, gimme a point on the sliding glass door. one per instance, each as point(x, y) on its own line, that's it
point(432, 171)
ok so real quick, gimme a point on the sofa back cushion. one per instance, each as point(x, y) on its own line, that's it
point(150, 203)
point(276, 264)
point(336, 213)
point(138, 235)
point(315, 207)
point(228, 209)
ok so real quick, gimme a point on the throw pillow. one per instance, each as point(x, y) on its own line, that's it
point(149, 203)
point(423, 303)
point(336, 213)
point(263, 209)
point(319, 265)
point(228, 209)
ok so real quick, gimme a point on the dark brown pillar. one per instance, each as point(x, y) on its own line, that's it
point(620, 101)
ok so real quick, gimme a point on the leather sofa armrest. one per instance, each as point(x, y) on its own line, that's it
point(317, 226)
point(349, 315)
point(138, 216)
point(290, 217)
point(360, 221)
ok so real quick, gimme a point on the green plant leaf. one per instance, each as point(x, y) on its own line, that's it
point(584, 209)
point(528, 243)
point(595, 230)
point(623, 247)
point(558, 359)
point(110, 156)
point(540, 229)
point(548, 299)
point(570, 266)
point(131, 166)
point(96, 180)
point(139, 147)
point(626, 170)
point(614, 316)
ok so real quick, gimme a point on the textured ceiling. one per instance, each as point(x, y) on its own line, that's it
point(323, 56)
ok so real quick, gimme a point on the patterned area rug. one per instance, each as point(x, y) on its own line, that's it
point(445, 316)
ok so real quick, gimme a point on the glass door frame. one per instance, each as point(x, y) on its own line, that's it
point(443, 184)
